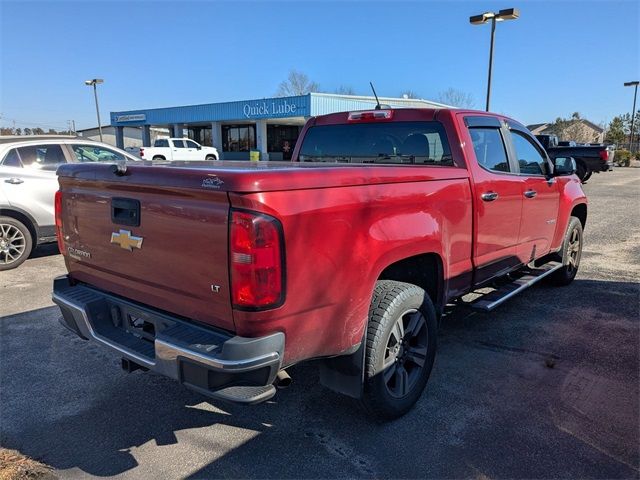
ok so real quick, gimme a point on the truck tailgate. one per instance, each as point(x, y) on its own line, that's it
point(174, 260)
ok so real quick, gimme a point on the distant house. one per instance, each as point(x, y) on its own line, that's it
point(132, 135)
point(579, 130)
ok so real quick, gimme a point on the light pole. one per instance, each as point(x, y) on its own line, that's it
point(505, 14)
point(94, 82)
point(633, 111)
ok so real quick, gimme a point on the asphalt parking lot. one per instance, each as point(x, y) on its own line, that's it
point(547, 386)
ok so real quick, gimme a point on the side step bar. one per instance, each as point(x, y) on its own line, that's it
point(531, 276)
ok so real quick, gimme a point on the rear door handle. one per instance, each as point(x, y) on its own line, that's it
point(14, 181)
point(489, 196)
point(530, 193)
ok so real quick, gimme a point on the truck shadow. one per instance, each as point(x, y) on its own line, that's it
point(45, 250)
point(65, 402)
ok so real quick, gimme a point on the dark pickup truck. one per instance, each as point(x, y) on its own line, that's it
point(589, 159)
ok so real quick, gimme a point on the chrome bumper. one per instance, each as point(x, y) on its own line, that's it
point(210, 361)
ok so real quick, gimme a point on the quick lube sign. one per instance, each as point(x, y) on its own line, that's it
point(271, 108)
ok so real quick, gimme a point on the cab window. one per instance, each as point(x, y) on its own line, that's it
point(530, 159)
point(178, 144)
point(489, 148)
point(94, 153)
point(191, 144)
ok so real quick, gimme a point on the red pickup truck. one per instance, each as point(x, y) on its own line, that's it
point(222, 276)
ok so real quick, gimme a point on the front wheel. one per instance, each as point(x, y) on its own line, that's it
point(400, 348)
point(571, 253)
point(15, 243)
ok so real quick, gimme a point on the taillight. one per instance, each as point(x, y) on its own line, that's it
point(604, 155)
point(370, 116)
point(256, 259)
point(141, 152)
point(58, 216)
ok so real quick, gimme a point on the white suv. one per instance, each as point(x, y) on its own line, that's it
point(28, 184)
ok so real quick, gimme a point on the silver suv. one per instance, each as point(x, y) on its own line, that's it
point(28, 184)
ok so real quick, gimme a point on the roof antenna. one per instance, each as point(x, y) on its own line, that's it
point(378, 106)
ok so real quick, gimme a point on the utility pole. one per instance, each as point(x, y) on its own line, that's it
point(633, 111)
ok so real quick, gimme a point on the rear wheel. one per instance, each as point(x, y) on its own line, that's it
point(400, 348)
point(210, 158)
point(15, 243)
point(158, 158)
point(582, 172)
point(571, 253)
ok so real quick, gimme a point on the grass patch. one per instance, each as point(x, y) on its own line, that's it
point(15, 466)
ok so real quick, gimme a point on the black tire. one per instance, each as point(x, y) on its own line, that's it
point(158, 158)
point(16, 243)
point(211, 158)
point(398, 362)
point(571, 252)
point(587, 176)
point(582, 172)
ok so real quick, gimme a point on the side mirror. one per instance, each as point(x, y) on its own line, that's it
point(564, 166)
point(199, 147)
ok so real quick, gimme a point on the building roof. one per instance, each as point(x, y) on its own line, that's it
point(311, 104)
point(543, 126)
point(536, 126)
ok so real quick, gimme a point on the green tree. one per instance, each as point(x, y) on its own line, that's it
point(38, 131)
point(615, 132)
point(18, 131)
point(28, 131)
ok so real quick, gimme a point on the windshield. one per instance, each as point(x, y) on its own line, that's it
point(381, 142)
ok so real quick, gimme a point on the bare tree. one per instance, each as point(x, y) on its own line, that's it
point(409, 94)
point(345, 90)
point(297, 83)
point(456, 98)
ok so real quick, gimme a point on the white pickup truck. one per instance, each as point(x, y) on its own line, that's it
point(178, 149)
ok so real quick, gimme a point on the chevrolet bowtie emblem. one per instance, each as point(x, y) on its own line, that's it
point(126, 240)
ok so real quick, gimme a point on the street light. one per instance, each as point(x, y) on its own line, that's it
point(94, 82)
point(505, 14)
point(633, 111)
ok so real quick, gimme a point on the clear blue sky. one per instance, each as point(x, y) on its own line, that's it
point(559, 57)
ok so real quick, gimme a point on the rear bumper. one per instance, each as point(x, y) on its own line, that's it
point(210, 361)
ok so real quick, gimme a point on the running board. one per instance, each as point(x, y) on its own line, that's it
point(531, 276)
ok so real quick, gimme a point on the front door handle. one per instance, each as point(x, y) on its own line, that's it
point(530, 193)
point(14, 181)
point(489, 196)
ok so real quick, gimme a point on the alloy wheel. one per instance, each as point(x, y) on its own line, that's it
point(573, 251)
point(405, 354)
point(12, 244)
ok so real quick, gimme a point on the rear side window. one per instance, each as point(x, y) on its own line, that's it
point(94, 153)
point(161, 143)
point(382, 143)
point(178, 144)
point(12, 159)
point(41, 155)
point(489, 148)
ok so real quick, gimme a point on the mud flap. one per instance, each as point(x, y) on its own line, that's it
point(344, 374)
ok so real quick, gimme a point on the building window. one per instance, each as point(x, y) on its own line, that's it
point(238, 138)
point(282, 139)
